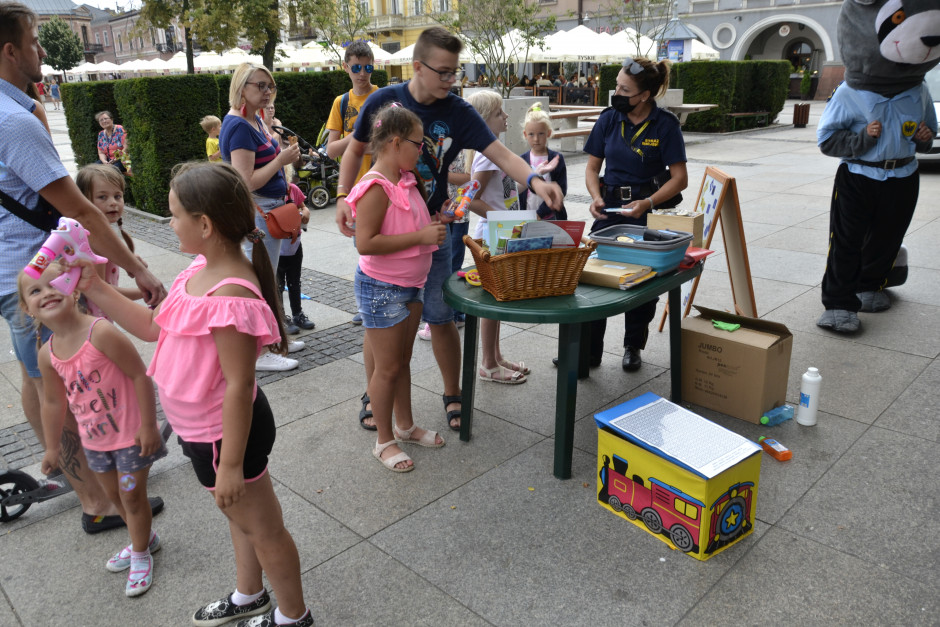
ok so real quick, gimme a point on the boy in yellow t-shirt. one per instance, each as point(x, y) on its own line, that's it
point(212, 125)
point(358, 63)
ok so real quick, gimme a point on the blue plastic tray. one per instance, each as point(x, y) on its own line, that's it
point(662, 250)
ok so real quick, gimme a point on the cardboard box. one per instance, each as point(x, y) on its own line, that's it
point(742, 373)
point(613, 273)
point(689, 482)
point(693, 223)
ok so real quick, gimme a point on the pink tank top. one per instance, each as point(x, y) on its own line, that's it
point(100, 395)
point(406, 213)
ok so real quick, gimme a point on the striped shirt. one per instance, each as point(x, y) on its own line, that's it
point(238, 134)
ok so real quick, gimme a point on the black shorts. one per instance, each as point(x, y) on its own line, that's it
point(205, 455)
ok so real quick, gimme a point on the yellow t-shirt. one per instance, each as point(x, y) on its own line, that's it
point(212, 147)
point(345, 126)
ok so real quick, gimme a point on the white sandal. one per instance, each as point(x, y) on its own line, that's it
point(429, 439)
point(498, 375)
point(394, 459)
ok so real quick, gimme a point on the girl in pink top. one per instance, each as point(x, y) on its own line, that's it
point(218, 316)
point(92, 369)
point(395, 237)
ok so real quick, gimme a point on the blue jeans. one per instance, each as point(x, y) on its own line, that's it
point(455, 233)
point(436, 311)
point(22, 334)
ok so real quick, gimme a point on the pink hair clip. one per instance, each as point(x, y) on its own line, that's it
point(378, 123)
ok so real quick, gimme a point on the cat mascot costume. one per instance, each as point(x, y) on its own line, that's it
point(875, 121)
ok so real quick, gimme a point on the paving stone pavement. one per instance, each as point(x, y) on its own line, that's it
point(481, 533)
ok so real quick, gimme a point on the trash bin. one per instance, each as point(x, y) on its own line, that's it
point(800, 114)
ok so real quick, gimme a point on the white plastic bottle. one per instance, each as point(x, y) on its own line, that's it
point(809, 397)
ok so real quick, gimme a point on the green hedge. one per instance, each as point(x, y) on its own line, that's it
point(161, 116)
point(162, 122)
point(81, 102)
point(735, 86)
point(607, 82)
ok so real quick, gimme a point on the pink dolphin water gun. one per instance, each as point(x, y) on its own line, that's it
point(71, 241)
point(464, 197)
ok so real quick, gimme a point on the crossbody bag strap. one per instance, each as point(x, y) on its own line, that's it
point(33, 218)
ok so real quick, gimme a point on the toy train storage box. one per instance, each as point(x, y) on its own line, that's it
point(686, 480)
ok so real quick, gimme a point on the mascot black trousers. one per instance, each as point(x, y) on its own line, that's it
point(867, 223)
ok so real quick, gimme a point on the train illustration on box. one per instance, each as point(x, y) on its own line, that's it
point(668, 511)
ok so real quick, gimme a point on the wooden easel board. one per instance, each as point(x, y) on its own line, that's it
point(718, 200)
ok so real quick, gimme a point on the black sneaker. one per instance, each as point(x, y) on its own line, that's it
point(222, 611)
point(97, 524)
point(303, 322)
point(267, 620)
point(290, 328)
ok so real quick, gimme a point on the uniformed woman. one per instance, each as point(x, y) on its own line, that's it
point(638, 141)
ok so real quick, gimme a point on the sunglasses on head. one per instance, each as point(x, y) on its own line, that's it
point(633, 67)
point(358, 68)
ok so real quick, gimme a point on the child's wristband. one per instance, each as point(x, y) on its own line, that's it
point(528, 181)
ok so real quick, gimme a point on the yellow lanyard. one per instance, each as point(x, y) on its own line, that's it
point(635, 136)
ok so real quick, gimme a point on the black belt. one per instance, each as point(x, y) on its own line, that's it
point(615, 195)
point(888, 164)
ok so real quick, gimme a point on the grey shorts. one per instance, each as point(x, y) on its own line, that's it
point(123, 460)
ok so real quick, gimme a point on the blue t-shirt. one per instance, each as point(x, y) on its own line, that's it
point(28, 163)
point(852, 110)
point(614, 138)
point(450, 125)
point(237, 134)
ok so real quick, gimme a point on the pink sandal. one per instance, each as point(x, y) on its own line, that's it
point(429, 439)
point(502, 374)
point(394, 459)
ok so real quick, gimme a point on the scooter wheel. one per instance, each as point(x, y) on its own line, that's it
point(319, 197)
point(14, 482)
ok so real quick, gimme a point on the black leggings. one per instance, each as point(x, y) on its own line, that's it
point(288, 271)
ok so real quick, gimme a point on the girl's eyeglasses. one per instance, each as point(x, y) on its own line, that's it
point(418, 145)
point(358, 68)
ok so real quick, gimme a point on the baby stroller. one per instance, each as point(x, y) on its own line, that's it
point(319, 175)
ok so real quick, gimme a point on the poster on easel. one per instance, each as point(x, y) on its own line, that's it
point(718, 200)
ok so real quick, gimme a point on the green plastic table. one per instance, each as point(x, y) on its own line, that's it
point(589, 302)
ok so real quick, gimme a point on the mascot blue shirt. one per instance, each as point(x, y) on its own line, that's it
point(851, 109)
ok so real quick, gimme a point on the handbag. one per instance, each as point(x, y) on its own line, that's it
point(283, 222)
point(45, 217)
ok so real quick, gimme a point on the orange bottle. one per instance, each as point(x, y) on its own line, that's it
point(777, 450)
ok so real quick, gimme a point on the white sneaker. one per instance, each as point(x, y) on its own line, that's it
point(425, 332)
point(276, 363)
point(295, 345)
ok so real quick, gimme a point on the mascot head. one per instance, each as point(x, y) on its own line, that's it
point(888, 45)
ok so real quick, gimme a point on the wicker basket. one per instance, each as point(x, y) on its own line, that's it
point(530, 273)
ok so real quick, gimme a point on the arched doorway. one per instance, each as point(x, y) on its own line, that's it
point(804, 58)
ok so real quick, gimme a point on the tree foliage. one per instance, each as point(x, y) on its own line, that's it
point(63, 48)
point(638, 17)
point(340, 21)
point(486, 26)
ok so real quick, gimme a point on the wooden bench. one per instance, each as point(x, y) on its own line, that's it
point(762, 116)
point(569, 117)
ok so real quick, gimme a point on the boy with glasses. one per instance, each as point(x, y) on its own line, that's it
point(358, 63)
point(450, 125)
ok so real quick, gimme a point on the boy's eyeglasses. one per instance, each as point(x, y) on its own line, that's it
point(633, 67)
point(262, 86)
point(445, 75)
point(358, 68)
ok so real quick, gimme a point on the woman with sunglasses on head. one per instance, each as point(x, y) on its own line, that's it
point(246, 143)
point(637, 141)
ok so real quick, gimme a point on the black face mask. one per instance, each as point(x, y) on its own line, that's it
point(622, 104)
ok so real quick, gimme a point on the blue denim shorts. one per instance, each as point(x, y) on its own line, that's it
point(273, 246)
point(123, 460)
point(383, 305)
point(22, 334)
point(436, 311)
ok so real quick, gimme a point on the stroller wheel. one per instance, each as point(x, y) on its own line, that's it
point(319, 197)
point(14, 482)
